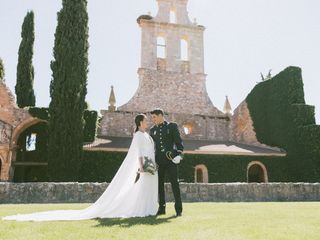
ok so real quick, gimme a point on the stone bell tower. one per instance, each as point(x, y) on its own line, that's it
point(171, 75)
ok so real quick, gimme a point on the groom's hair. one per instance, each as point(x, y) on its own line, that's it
point(157, 111)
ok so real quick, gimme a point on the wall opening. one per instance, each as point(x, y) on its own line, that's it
point(31, 160)
point(201, 174)
point(31, 140)
point(173, 16)
point(161, 47)
point(184, 50)
point(187, 128)
point(257, 173)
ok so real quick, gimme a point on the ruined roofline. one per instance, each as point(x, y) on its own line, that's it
point(210, 116)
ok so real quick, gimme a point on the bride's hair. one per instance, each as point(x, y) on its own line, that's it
point(139, 118)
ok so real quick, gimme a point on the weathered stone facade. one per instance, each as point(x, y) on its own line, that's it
point(175, 92)
point(200, 127)
point(190, 192)
point(242, 125)
point(177, 85)
point(173, 83)
point(13, 121)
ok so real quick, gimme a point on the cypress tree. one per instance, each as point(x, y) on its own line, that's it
point(1, 70)
point(25, 72)
point(68, 89)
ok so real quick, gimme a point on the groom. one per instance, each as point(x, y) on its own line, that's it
point(169, 148)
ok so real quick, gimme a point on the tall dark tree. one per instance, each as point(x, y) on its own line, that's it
point(25, 71)
point(68, 89)
point(1, 70)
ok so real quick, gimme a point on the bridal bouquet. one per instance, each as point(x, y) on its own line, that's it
point(148, 166)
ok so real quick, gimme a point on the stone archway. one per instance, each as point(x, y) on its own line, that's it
point(257, 172)
point(23, 126)
point(201, 174)
point(13, 121)
point(14, 140)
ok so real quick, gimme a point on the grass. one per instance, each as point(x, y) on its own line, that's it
point(230, 221)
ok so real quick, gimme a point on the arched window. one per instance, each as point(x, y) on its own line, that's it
point(184, 50)
point(31, 140)
point(187, 128)
point(161, 47)
point(201, 174)
point(173, 17)
point(257, 172)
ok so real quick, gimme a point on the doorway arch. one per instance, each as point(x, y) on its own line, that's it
point(29, 164)
point(257, 172)
point(201, 174)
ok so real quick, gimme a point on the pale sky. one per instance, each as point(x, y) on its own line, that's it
point(242, 39)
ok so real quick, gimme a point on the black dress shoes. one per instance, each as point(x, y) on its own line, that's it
point(178, 214)
point(161, 212)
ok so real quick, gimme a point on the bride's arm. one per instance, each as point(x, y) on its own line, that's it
point(141, 164)
point(139, 143)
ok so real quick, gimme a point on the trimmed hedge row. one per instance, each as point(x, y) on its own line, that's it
point(282, 119)
point(98, 166)
point(101, 167)
point(310, 140)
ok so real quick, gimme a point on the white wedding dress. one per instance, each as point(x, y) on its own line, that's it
point(123, 198)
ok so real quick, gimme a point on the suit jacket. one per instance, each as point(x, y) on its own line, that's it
point(167, 139)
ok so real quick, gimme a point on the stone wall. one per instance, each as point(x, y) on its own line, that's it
point(121, 124)
point(175, 92)
point(13, 121)
point(242, 125)
point(172, 81)
point(190, 192)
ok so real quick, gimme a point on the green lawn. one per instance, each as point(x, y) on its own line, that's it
point(203, 221)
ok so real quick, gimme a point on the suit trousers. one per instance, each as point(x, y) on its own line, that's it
point(172, 170)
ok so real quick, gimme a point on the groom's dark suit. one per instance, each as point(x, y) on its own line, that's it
point(167, 139)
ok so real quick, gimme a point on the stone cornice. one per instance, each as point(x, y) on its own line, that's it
point(195, 28)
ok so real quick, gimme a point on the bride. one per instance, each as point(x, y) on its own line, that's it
point(126, 196)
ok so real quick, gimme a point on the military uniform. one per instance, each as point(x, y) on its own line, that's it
point(167, 140)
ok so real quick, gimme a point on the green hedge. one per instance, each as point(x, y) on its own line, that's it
point(30, 174)
point(90, 118)
point(271, 107)
point(102, 166)
point(2, 72)
point(310, 139)
point(39, 173)
point(41, 113)
point(302, 114)
point(90, 127)
point(282, 119)
point(99, 166)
